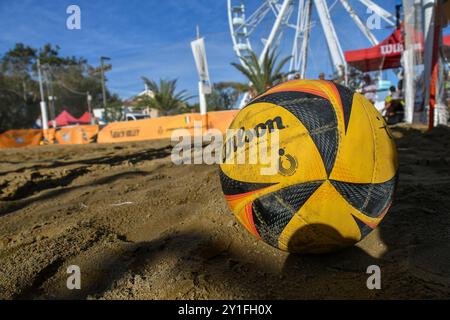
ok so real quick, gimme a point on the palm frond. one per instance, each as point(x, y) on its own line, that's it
point(264, 74)
point(165, 98)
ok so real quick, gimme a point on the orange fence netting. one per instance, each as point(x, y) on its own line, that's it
point(20, 138)
point(163, 127)
point(148, 129)
point(77, 135)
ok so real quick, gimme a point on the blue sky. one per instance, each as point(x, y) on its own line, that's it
point(152, 38)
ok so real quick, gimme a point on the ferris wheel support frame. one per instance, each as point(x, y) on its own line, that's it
point(334, 46)
point(305, 40)
point(241, 28)
point(385, 15)
point(295, 47)
point(273, 33)
point(364, 29)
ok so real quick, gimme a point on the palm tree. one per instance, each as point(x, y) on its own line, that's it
point(164, 97)
point(265, 74)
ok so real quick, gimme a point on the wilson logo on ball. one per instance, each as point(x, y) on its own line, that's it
point(245, 136)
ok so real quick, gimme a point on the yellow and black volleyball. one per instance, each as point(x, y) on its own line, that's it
point(336, 172)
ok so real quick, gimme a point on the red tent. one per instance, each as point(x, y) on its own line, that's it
point(64, 119)
point(446, 40)
point(85, 118)
point(385, 55)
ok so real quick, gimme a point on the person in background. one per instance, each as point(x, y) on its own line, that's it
point(394, 107)
point(400, 77)
point(38, 123)
point(368, 88)
point(252, 93)
point(387, 110)
point(321, 76)
point(340, 77)
point(297, 76)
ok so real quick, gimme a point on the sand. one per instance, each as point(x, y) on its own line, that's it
point(140, 227)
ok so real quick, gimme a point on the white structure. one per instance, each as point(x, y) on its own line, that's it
point(204, 84)
point(43, 104)
point(146, 92)
point(147, 112)
point(296, 14)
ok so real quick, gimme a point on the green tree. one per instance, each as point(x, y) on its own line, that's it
point(265, 74)
point(114, 110)
point(17, 66)
point(165, 98)
point(67, 78)
point(224, 95)
point(19, 92)
point(18, 109)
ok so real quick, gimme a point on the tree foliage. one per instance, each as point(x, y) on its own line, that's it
point(66, 78)
point(165, 98)
point(262, 75)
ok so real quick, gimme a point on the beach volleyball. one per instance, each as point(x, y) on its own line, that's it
point(336, 167)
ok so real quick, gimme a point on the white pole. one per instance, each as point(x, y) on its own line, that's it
point(441, 117)
point(89, 100)
point(43, 105)
point(202, 99)
point(408, 59)
point(408, 78)
point(305, 41)
point(293, 65)
point(441, 109)
point(429, 12)
point(201, 93)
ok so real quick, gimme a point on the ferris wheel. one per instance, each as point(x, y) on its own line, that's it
point(269, 22)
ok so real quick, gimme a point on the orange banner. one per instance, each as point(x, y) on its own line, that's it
point(163, 127)
point(77, 135)
point(49, 135)
point(20, 138)
point(148, 129)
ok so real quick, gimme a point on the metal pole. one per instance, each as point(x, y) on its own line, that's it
point(89, 99)
point(202, 99)
point(42, 103)
point(51, 97)
point(201, 94)
point(409, 12)
point(293, 66)
point(103, 83)
point(429, 56)
point(305, 40)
